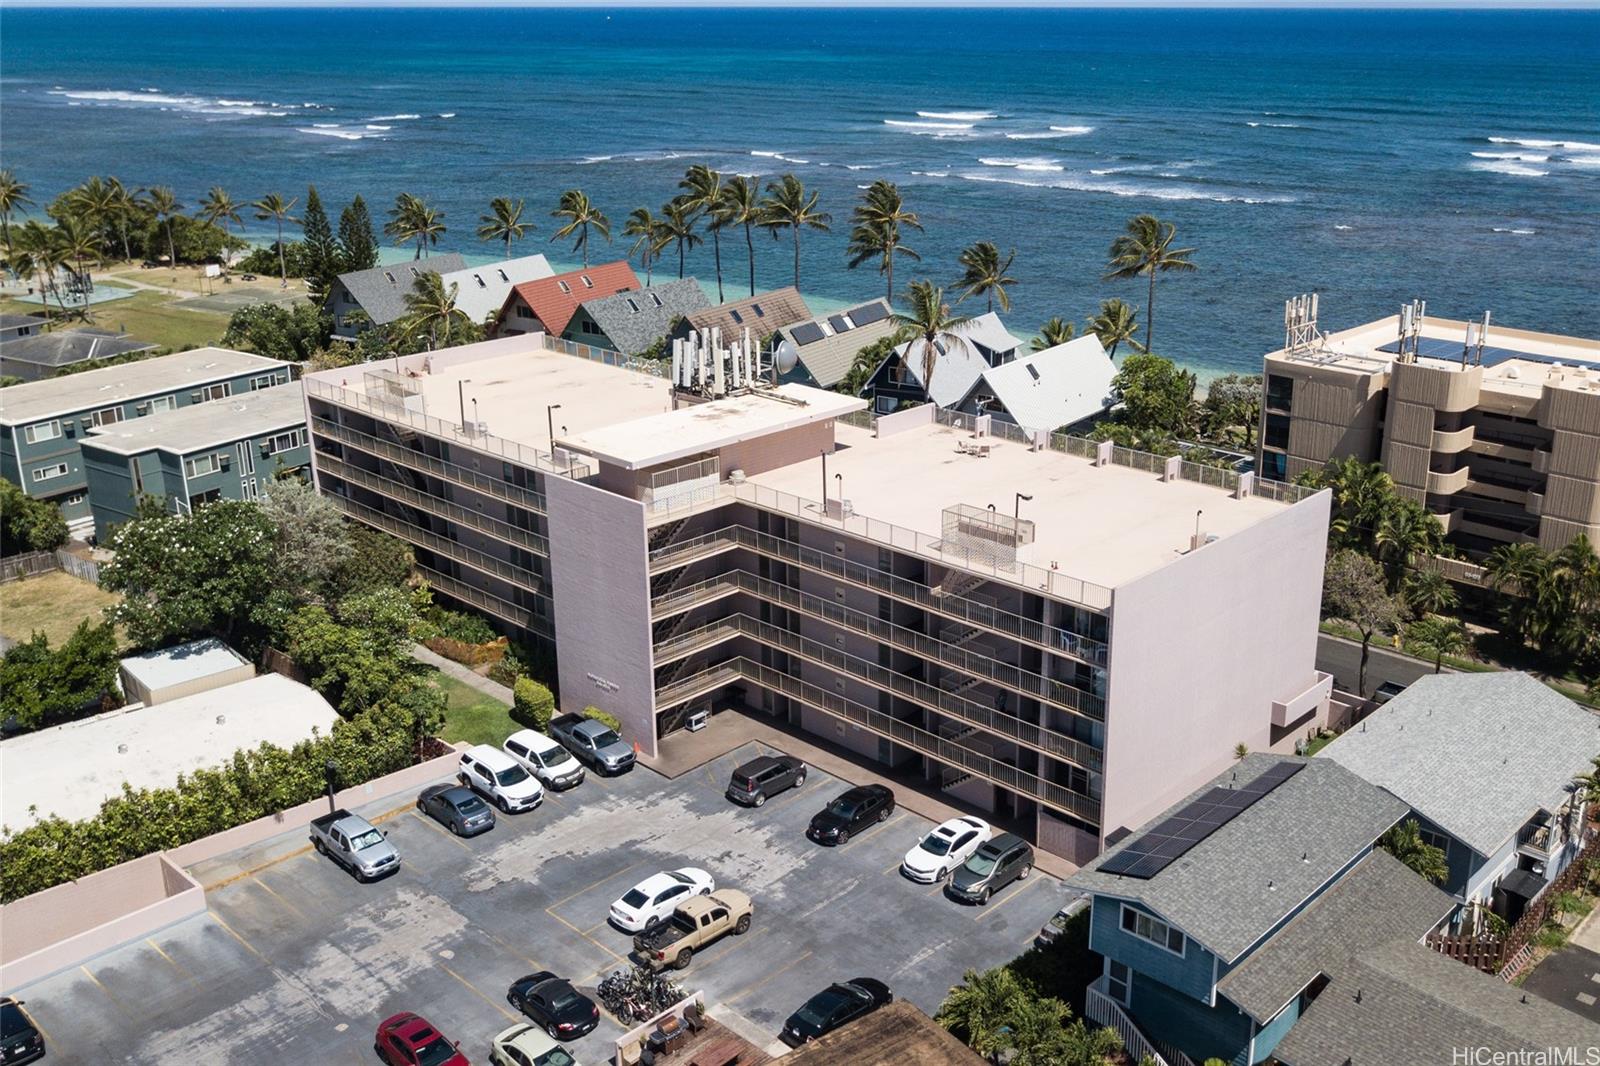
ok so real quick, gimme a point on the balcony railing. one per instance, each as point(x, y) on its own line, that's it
point(1101, 1009)
point(434, 505)
point(1053, 639)
point(503, 609)
point(447, 471)
point(946, 751)
point(471, 557)
point(927, 696)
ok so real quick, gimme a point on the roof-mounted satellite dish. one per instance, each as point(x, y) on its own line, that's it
point(786, 356)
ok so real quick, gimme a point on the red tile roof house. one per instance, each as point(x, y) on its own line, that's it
point(552, 305)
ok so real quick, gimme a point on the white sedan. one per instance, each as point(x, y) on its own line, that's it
point(944, 849)
point(652, 901)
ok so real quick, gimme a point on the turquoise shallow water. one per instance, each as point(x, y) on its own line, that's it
point(1372, 156)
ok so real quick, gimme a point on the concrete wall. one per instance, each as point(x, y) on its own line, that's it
point(911, 418)
point(1200, 649)
point(62, 926)
point(599, 562)
point(773, 450)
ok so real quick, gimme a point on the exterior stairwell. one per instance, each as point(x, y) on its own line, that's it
point(958, 583)
point(667, 628)
point(951, 778)
point(663, 535)
point(666, 581)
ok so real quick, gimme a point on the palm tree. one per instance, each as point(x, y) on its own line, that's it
point(1404, 842)
point(1438, 636)
point(1589, 783)
point(703, 192)
point(677, 225)
point(985, 274)
point(37, 248)
point(650, 237)
point(580, 214)
point(13, 194)
point(1405, 529)
point(930, 323)
point(217, 206)
point(1522, 573)
point(1054, 332)
point(412, 220)
point(503, 222)
point(787, 205)
point(1115, 323)
point(126, 205)
point(431, 310)
point(981, 1008)
point(1429, 592)
point(1146, 248)
point(274, 206)
point(75, 242)
point(875, 231)
point(741, 206)
point(163, 203)
point(95, 203)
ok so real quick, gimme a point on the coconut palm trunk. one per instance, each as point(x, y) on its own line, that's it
point(1150, 310)
point(716, 254)
point(797, 257)
point(750, 247)
point(283, 260)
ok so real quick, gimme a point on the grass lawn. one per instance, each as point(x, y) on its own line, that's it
point(147, 316)
point(54, 603)
point(471, 716)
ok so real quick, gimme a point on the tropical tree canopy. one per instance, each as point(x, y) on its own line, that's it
point(986, 274)
point(875, 231)
point(1145, 247)
point(788, 206)
point(503, 222)
point(1404, 842)
point(1054, 332)
point(579, 215)
point(928, 328)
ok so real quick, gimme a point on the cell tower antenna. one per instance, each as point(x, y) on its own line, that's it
point(1300, 333)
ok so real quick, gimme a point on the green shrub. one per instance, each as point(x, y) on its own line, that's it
point(603, 718)
point(41, 687)
point(27, 524)
point(532, 704)
point(458, 625)
point(505, 672)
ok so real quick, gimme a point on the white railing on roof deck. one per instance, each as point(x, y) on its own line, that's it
point(1101, 1009)
point(656, 368)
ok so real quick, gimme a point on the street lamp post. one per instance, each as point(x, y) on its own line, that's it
point(1016, 509)
point(839, 482)
point(461, 397)
point(550, 424)
point(824, 484)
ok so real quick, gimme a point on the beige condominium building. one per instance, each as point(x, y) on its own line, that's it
point(1496, 431)
point(1066, 635)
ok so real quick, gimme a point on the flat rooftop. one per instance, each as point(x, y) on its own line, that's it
point(185, 662)
point(71, 769)
point(1106, 524)
point(35, 400)
point(205, 425)
point(670, 435)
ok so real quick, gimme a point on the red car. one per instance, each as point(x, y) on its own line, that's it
point(409, 1040)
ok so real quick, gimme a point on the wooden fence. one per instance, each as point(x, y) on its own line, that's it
point(32, 564)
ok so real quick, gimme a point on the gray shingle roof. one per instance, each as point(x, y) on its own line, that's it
point(1377, 901)
point(1053, 388)
point(1241, 881)
point(1417, 1006)
point(780, 307)
point(10, 320)
point(632, 321)
point(1477, 754)
point(48, 352)
point(381, 291)
point(829, 359)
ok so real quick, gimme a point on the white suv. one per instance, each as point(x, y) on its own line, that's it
point(544, 758)
point(500, 778)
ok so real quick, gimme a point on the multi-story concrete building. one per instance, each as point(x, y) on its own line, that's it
point(230, 450)
point(42, 423)
point(1061, 633)
point(1498, 435)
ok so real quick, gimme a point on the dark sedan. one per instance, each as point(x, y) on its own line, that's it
point(850, 813)
point(834, 1006)
point(553, 1004)
point(20, 1040)
point(457, 808)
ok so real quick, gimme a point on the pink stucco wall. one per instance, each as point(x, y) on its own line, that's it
point(599, 561)
point(1200, 649)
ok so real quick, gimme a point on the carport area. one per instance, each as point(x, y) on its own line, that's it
point(296, 962)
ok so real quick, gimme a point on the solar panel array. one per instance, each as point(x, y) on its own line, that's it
point(1174, 836)
point(1441, 348)
point(806, 333)
point(839, 323)
point(865, 316)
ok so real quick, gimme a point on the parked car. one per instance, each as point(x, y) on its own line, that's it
point(652, 901)
point(696, 922)
point(500, 778)
point(852, 811)
point(593, 742)
point(1058, 921)
point(408, 1040)
point(947, 847)
point(833, 1007)
point(542, 757)
point(552, 1002)
point(457, 808)
point(1387, 691)
point(762, 778)
point(997, 863)
point(20, 1039)
point(356, 844)
point(523, 1045)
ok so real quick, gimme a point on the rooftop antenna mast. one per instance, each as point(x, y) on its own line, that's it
point(1300, 324)
point(1411, 317)
point(1472, 347)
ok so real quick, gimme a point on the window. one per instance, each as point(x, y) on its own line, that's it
point(107, 416)
point(586, 282)
point(481, 283)
point(203, 498)
point(75, 499)
point(1152, 929)
point(45, 473)
point(1280, 392)
point(263, 381)
point(216, 392)
point(1277, 435)
point(1274, 466)
point(200, 466)
point(1434, 840)
point(564, 287)
point(283, 442)
point(1118, 978)
point(250, 490)
point(523, 311)
point(656, 300)
point(733, 313)
point(633, 307)
point(163, 403)
point(42, 432)
point(757, 309)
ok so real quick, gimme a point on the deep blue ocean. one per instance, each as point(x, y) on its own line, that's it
point(1372, 156)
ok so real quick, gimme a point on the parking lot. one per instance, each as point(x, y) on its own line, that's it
point(296, 962)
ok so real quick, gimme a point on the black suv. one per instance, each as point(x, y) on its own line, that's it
point(760, 779)
point(850, 813)
point(1000, 861)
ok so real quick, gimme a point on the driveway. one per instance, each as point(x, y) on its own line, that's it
point(295, 962)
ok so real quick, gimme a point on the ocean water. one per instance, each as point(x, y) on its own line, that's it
point(1370, 156)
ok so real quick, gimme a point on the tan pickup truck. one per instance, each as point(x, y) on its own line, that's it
point(697, 922)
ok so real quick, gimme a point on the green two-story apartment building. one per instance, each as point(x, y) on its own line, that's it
point(43, 424)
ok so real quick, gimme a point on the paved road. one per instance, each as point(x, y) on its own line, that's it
point(1342, 659)
point(1570, 978)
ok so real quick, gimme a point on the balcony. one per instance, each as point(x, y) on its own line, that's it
point(1447, 482)
point(1541, 840)
point(502, 609)
point(1541, 459)
point(1457, 440)
point(427, 464)
point(1535, 504)
point(470, 557)
point(1102, 1010)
